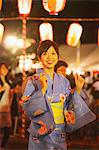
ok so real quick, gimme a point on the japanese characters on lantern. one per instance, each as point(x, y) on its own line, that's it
point(53, 6)
point(74, 34)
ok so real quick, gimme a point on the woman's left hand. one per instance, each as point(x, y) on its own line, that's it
point(79, 80)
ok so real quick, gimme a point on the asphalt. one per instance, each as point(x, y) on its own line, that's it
point(19, 143)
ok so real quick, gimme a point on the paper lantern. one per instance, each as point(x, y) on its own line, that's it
point(74, 34)
point(46, 32)
point(1, 32)
point(0, 4)
point(53, 6)
point(24, 6)
point(98, 36)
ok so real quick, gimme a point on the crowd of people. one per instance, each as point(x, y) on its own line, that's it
point(54, 84)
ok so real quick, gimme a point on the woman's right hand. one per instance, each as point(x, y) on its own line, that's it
point(44, 82)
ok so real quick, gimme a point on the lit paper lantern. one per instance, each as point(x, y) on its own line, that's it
point(53, 6)
point(1, 32)
point(0, 4)
point(98, 36)
point(46, 32)
point(24, 6)
point(74, 34)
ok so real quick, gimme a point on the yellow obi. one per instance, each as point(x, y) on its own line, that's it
point(57, 109)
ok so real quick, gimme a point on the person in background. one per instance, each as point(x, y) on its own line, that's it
point(95, 108)
point(88, 81)
point(95, 88)
point(60, 68)
point(17, 84)
point(5, 106)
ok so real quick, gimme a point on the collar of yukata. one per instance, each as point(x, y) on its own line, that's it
point(38, 71)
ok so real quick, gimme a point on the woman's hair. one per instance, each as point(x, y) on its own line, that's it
point(7, 77)
point(45, 45)
point(4, 65)
point(59, 64)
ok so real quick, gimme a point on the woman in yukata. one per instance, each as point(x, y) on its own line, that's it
point(55, 88)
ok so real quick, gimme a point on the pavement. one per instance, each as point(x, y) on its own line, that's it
point(19, 143)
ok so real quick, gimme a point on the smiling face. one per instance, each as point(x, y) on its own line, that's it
point(49, 58)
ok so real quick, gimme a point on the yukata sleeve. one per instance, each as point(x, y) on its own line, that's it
point(67, 88)
point(82, 114)
point(80, 97)
point(85, 97)
point(77, 113)
point(33, 101)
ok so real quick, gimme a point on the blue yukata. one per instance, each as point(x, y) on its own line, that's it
point(57, 92)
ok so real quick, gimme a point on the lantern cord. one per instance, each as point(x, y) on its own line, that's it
point(23, 125)
point(50, 19)
point(24, 34)
point(24, 73)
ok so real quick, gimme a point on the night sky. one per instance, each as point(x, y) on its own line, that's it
point(73, 9)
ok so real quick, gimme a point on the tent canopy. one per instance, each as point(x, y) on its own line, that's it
point(89, 55)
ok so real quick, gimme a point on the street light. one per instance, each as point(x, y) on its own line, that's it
point(10, 41)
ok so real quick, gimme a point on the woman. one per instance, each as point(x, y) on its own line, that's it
point(55, 88)
point(5, 106)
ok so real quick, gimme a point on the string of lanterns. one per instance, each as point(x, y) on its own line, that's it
point(53, 7)
point(45, 29)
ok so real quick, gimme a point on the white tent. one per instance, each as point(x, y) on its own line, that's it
point(89, 56)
